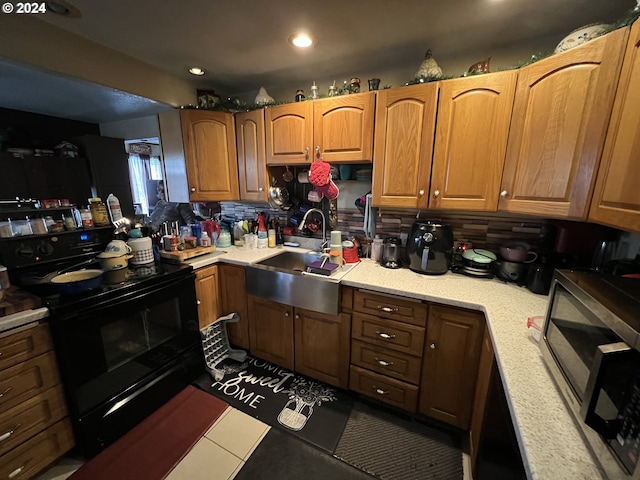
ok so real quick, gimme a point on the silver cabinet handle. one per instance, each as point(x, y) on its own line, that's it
point(386, 336)
point(193, 189)
point(297, 317)
point(420, 192)
point(18, 470)
point(436, 193)
point(432, 346)
point(5, 392)
point(198, 302)
point(379, 391)
point(388, 309)
point(6, 435)
point(384, 363)
point(504, 194)
point(260, 189)
point(306, 150)
point(286, 314)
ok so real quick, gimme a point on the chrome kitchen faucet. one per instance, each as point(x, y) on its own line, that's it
point(324, 225)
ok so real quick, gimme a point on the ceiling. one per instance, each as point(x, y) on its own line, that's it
point(242, 44)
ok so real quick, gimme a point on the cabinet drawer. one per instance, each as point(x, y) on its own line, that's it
point(387, 333)
point(388, 306)
point(30, 417)
point(387, 362)
point(34, 455)
point(21, 346)
point(23, 381)
point(385, 389)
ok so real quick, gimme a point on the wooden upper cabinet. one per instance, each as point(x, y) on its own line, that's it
point(252, 165)
point(560, 115)
point(616, 198)
point(474, 115)
point(404, 133)
point(343, 127)
point(339, 129)
point(289, 132)
point(210, 154)
point(199, 153)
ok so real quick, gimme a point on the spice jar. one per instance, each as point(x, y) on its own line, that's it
point(99, 212)
point(87, 219)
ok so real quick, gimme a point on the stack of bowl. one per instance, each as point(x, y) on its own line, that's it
point(114, 261)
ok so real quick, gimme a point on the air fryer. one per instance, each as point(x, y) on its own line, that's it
point(430, 247)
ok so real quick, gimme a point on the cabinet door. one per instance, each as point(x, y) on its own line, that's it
point(289, 132)
point(450, 365)
point(343, 128)
point(404, 131)
point(207, 294)
point(210, 155)
point(560, 115)
point(252, 165)
point(271, 331)
point(474, 115)
point(616, 199)
point(485, 377)
point(233, 298)
point(322, 346)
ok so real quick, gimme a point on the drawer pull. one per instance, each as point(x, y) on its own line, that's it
point(386, 336)
point(432, 346)
point(384, 363)
point(18, 470)
point(5, 392)
point(379, 391)
point(388, 309)
point(6, 435)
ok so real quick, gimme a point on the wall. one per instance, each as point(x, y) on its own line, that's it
point(134, 128)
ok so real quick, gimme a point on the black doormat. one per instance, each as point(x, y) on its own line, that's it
point(392, 448)
point(312, 410)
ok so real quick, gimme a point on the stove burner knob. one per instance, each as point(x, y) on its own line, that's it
point(45, 249)
point(24, 251)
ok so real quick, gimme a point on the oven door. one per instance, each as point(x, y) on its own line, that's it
point(142, 348)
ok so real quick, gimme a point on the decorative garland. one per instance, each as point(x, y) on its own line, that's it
point(235, 105)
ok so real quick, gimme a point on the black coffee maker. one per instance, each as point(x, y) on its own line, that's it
point(430, 247)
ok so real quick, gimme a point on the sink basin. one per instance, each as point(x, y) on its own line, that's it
point(283, 278)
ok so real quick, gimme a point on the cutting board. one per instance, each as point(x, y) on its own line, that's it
point(16, 300)
point(183, 255)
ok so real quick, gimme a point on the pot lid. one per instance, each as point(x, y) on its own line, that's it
point(479, 255)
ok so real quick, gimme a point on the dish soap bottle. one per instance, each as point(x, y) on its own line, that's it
point(263, 236)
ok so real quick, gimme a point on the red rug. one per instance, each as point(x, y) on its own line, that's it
point(155, 446)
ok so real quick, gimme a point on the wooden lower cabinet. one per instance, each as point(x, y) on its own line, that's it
point(233, 298)
point(271, 331)
point(322, 346)
point(207, 295)
point(450, 364)
point(35, 430)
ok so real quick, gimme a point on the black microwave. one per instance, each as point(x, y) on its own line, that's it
point(591, 344)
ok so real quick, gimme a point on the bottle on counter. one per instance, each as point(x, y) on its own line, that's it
point(115, 212)
point(263, 235)
point(272, 238)
point(99, 212)
point(205, 241)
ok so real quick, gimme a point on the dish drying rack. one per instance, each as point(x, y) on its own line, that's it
point(215, 345)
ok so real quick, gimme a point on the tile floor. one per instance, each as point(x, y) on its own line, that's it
point(219, 455)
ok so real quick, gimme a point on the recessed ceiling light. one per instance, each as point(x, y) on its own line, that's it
point(196, 71)
point(302, 40)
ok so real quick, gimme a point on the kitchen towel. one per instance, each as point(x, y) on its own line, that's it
point(156, 445)
point(307, 408)
point(390, 447)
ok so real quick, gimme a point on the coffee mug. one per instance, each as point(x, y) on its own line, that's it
point(141, 249)
point(118, 247)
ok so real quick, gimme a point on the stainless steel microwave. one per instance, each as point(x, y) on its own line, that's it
point(591, 344)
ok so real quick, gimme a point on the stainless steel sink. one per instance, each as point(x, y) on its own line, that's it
point(283, 278)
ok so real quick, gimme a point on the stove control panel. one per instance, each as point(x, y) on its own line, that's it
point(31, 250)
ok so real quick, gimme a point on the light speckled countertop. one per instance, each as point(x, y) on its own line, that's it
point(550, 443)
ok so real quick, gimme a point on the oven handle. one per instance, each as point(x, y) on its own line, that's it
point(126, 400)
point(604, 355)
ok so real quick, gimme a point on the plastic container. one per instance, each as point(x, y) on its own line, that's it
point(376, 249)
point(272, 238)
point(534, 324)
point(113, 204)
point(205, 241)
point(87, 219)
